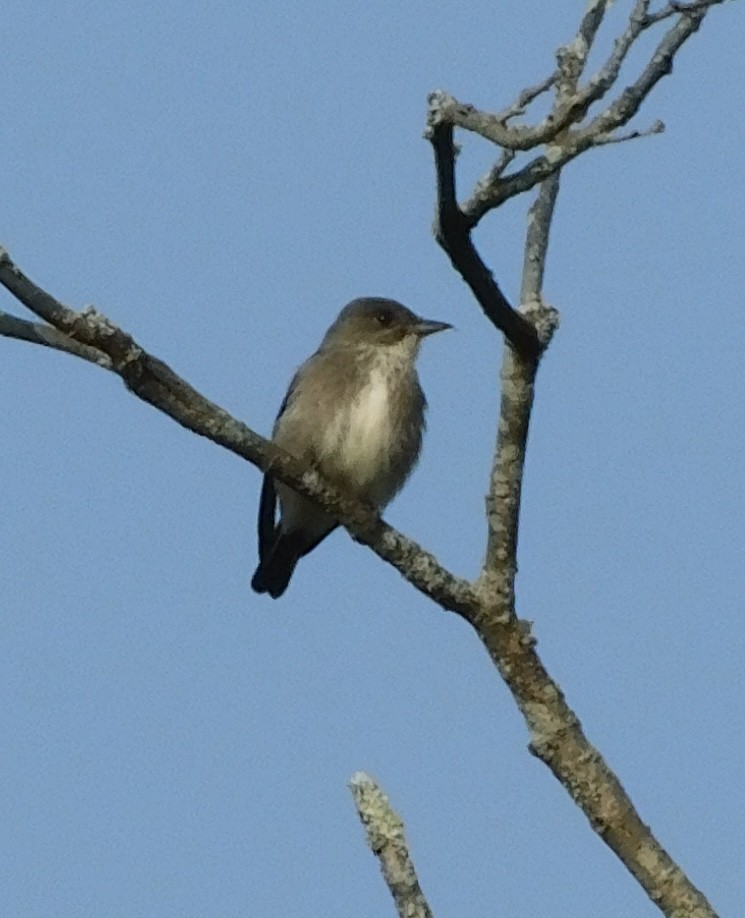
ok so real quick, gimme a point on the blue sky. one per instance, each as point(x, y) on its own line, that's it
point(220, 180)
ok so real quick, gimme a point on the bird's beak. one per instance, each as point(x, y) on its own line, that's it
point(426, 327)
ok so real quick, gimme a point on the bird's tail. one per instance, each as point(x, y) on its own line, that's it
point(275, 570)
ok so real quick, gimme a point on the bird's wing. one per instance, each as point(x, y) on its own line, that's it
point(267, 526)
point(289, 394)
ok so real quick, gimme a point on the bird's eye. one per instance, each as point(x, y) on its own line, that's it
point(384, 318)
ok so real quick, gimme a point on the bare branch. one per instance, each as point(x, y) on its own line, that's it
point(518, 379)
point(154, 382)
point(474, 208)
point(518, 382)
point(627, 104)
point(524, 99)
point(599, 84)
point(673, 9)
point(38, 333)
point(487, 196)
point(600, 140)
point(505, 487)
point(453, 233)
point(492, 127)
point(385, 836)
point(572, 57)
point(533, 173)
point(540, 216)
point(556, 736)
point(589, 27)
point(558, 740)
point(564, 143)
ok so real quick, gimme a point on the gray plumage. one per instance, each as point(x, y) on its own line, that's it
point(355, 410)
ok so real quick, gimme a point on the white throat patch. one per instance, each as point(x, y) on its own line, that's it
point(362, 438)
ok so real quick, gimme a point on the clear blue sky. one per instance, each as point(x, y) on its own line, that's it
point(220, 179)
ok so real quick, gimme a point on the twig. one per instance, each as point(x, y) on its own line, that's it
point(38, 333)
point(385, 836)
point(656, 127)
point(673, 9)
point(525, 98)
point(628, 102)
point(562, 130)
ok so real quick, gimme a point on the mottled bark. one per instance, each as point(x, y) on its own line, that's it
point(488, 604)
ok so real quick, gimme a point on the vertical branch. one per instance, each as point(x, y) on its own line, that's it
point(536, 243)
point(505, 484)
point(518, 382)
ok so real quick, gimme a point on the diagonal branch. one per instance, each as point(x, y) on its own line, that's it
point(525, 98)
point(48, 336)
point(556, 735)
point(562, 130)
point(623, 109)
point(154, 382)
point(673, 8)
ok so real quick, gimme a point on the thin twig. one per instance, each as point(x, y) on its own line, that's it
point(39, 333)
point(660, 64)
point(656, 127)
point(674, 9)
point(525, 98)
point(566, 137)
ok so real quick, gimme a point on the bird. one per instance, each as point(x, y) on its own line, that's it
point(355, 412)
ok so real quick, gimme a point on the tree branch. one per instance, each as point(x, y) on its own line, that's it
point(151, 380)
point(385, 836)
point(525, 98)
point(518, 383)
point(453, 232)
point(673, 8)
point(562, 131)
point(39, 333)
point(556, 735)
point(623, 109)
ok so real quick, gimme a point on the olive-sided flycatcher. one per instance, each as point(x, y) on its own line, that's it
point(354, 410)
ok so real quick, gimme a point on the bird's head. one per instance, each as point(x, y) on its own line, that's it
point(377, 321)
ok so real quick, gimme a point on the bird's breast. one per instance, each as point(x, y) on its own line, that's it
point(361, 436)
point(374, 440)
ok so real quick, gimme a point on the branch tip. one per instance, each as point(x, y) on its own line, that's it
point(384, 831)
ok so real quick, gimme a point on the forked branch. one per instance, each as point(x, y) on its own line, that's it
point(488, 604)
